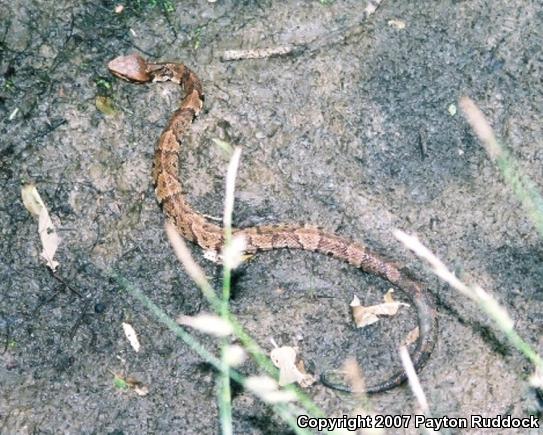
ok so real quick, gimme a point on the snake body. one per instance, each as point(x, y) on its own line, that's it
point(196, 228)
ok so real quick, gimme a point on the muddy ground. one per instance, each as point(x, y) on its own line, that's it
point(357, 137)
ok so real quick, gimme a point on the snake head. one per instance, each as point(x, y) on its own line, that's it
point(131, 68)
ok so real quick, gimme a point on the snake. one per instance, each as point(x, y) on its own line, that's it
point(197, 228)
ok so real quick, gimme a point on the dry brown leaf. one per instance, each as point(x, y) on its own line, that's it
point(354, 376)
point(364, 316)
point(131, 335)
point(46, 230)
point(389, 296)
point(284, 358)
point(411, 336)
point(361, 315)
point(132, 382)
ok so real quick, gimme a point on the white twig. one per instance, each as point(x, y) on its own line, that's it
point(257, 53)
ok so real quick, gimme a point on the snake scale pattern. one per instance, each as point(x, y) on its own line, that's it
point(196, 228)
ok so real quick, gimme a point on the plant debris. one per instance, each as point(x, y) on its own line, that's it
point(364, 316)
point(411, 336)
point(131, 335)
point(284, 358)
point(128, 382)
point(48, 235)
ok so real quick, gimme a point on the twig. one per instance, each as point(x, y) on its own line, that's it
point(258, 53)
point(324, 40)
point(64, 283)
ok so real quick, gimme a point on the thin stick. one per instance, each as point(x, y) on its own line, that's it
point(321, 41)
point(258, 53)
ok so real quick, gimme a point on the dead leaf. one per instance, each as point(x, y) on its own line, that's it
point(308, 378)
point(364, 316)
point(354, 376)
point(131, 335)
point(411, 336)
point(361, 315)
point(284, 358)
point(46, 230)
point(388, 297)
